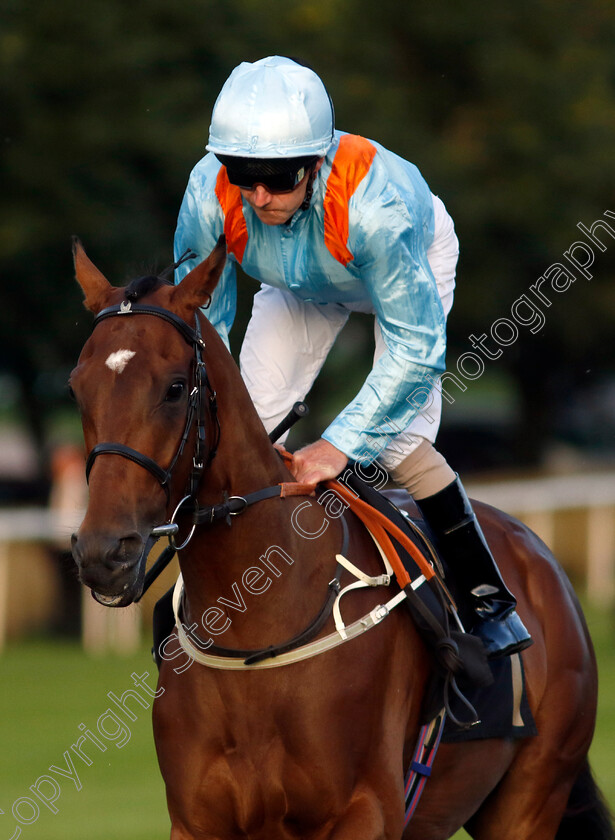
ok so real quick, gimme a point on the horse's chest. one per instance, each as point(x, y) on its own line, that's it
point(260, 791)
point(251, 772)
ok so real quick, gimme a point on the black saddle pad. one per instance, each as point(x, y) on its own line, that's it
point(502, 707)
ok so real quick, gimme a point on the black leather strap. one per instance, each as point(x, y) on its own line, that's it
point(132, 455)
point(306, 635)
point(129, 308)
point(196, 406)
point(233, 505)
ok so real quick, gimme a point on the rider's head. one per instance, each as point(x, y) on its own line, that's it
point(271, 124)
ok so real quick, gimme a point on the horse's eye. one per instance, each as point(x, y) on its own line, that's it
point(175, 392)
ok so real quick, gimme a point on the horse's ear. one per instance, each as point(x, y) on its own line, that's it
point(196, 288)
point(95, 286)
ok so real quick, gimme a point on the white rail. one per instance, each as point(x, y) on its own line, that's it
point(102, 628)
point(549, 494)
point(536, 501)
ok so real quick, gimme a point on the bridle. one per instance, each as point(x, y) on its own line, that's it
point(201, 394)
point(202, 404)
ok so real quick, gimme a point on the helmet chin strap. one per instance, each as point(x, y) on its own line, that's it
point(309, 191)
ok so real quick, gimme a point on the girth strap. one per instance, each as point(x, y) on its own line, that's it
point(422, 761)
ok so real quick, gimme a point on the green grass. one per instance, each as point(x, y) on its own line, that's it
point(602, 627)
point(49, 689)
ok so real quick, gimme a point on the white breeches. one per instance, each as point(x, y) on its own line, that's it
point(288, 340)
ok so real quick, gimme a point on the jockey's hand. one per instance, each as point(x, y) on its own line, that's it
point(318, 461)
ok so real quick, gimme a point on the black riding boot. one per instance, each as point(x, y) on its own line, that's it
point(492, 616)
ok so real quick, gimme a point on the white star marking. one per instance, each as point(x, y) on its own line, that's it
point(117, 361)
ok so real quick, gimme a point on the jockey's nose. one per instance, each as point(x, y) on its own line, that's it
point(260, 195)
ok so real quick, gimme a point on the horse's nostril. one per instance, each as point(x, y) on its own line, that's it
point(114, 555)
point(131, 541)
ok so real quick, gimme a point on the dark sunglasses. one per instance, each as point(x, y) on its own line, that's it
point(280, 181)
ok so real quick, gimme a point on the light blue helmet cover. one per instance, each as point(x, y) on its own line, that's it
point(272, 108)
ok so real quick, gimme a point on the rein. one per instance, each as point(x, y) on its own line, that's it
point(231, 506)
point(234, 505)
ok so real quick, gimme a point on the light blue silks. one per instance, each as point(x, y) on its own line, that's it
point(391, 224)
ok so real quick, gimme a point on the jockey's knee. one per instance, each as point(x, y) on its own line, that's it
point(423, 472)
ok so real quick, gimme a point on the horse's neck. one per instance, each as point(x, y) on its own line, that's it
point(257, 578)
point(245, 460)
point(259, 563)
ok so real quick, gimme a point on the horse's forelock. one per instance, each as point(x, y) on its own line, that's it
point(141, 286)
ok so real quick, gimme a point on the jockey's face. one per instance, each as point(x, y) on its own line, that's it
point(277, 208)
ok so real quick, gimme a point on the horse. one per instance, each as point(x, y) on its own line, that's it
point(316, 748)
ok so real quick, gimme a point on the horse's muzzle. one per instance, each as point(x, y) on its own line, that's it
point(113, 568)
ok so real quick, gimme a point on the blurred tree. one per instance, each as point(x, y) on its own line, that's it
point(507, 110)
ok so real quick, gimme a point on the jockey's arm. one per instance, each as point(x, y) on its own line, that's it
point(392, 262)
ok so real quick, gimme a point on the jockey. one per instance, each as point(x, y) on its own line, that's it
point(330, 223)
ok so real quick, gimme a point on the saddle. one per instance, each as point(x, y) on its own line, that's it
point(483, 698)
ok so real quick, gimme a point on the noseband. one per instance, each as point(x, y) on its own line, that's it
point(200, 393)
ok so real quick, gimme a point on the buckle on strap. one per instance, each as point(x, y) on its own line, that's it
point(379, 613)
point(233, 509)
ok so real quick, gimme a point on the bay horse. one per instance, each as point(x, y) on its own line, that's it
point(315, 749)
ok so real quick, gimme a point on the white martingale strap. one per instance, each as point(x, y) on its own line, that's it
point(379, 580)
point(343, 633)
point(358, 627)
point(364, 580)
point(378, 612)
